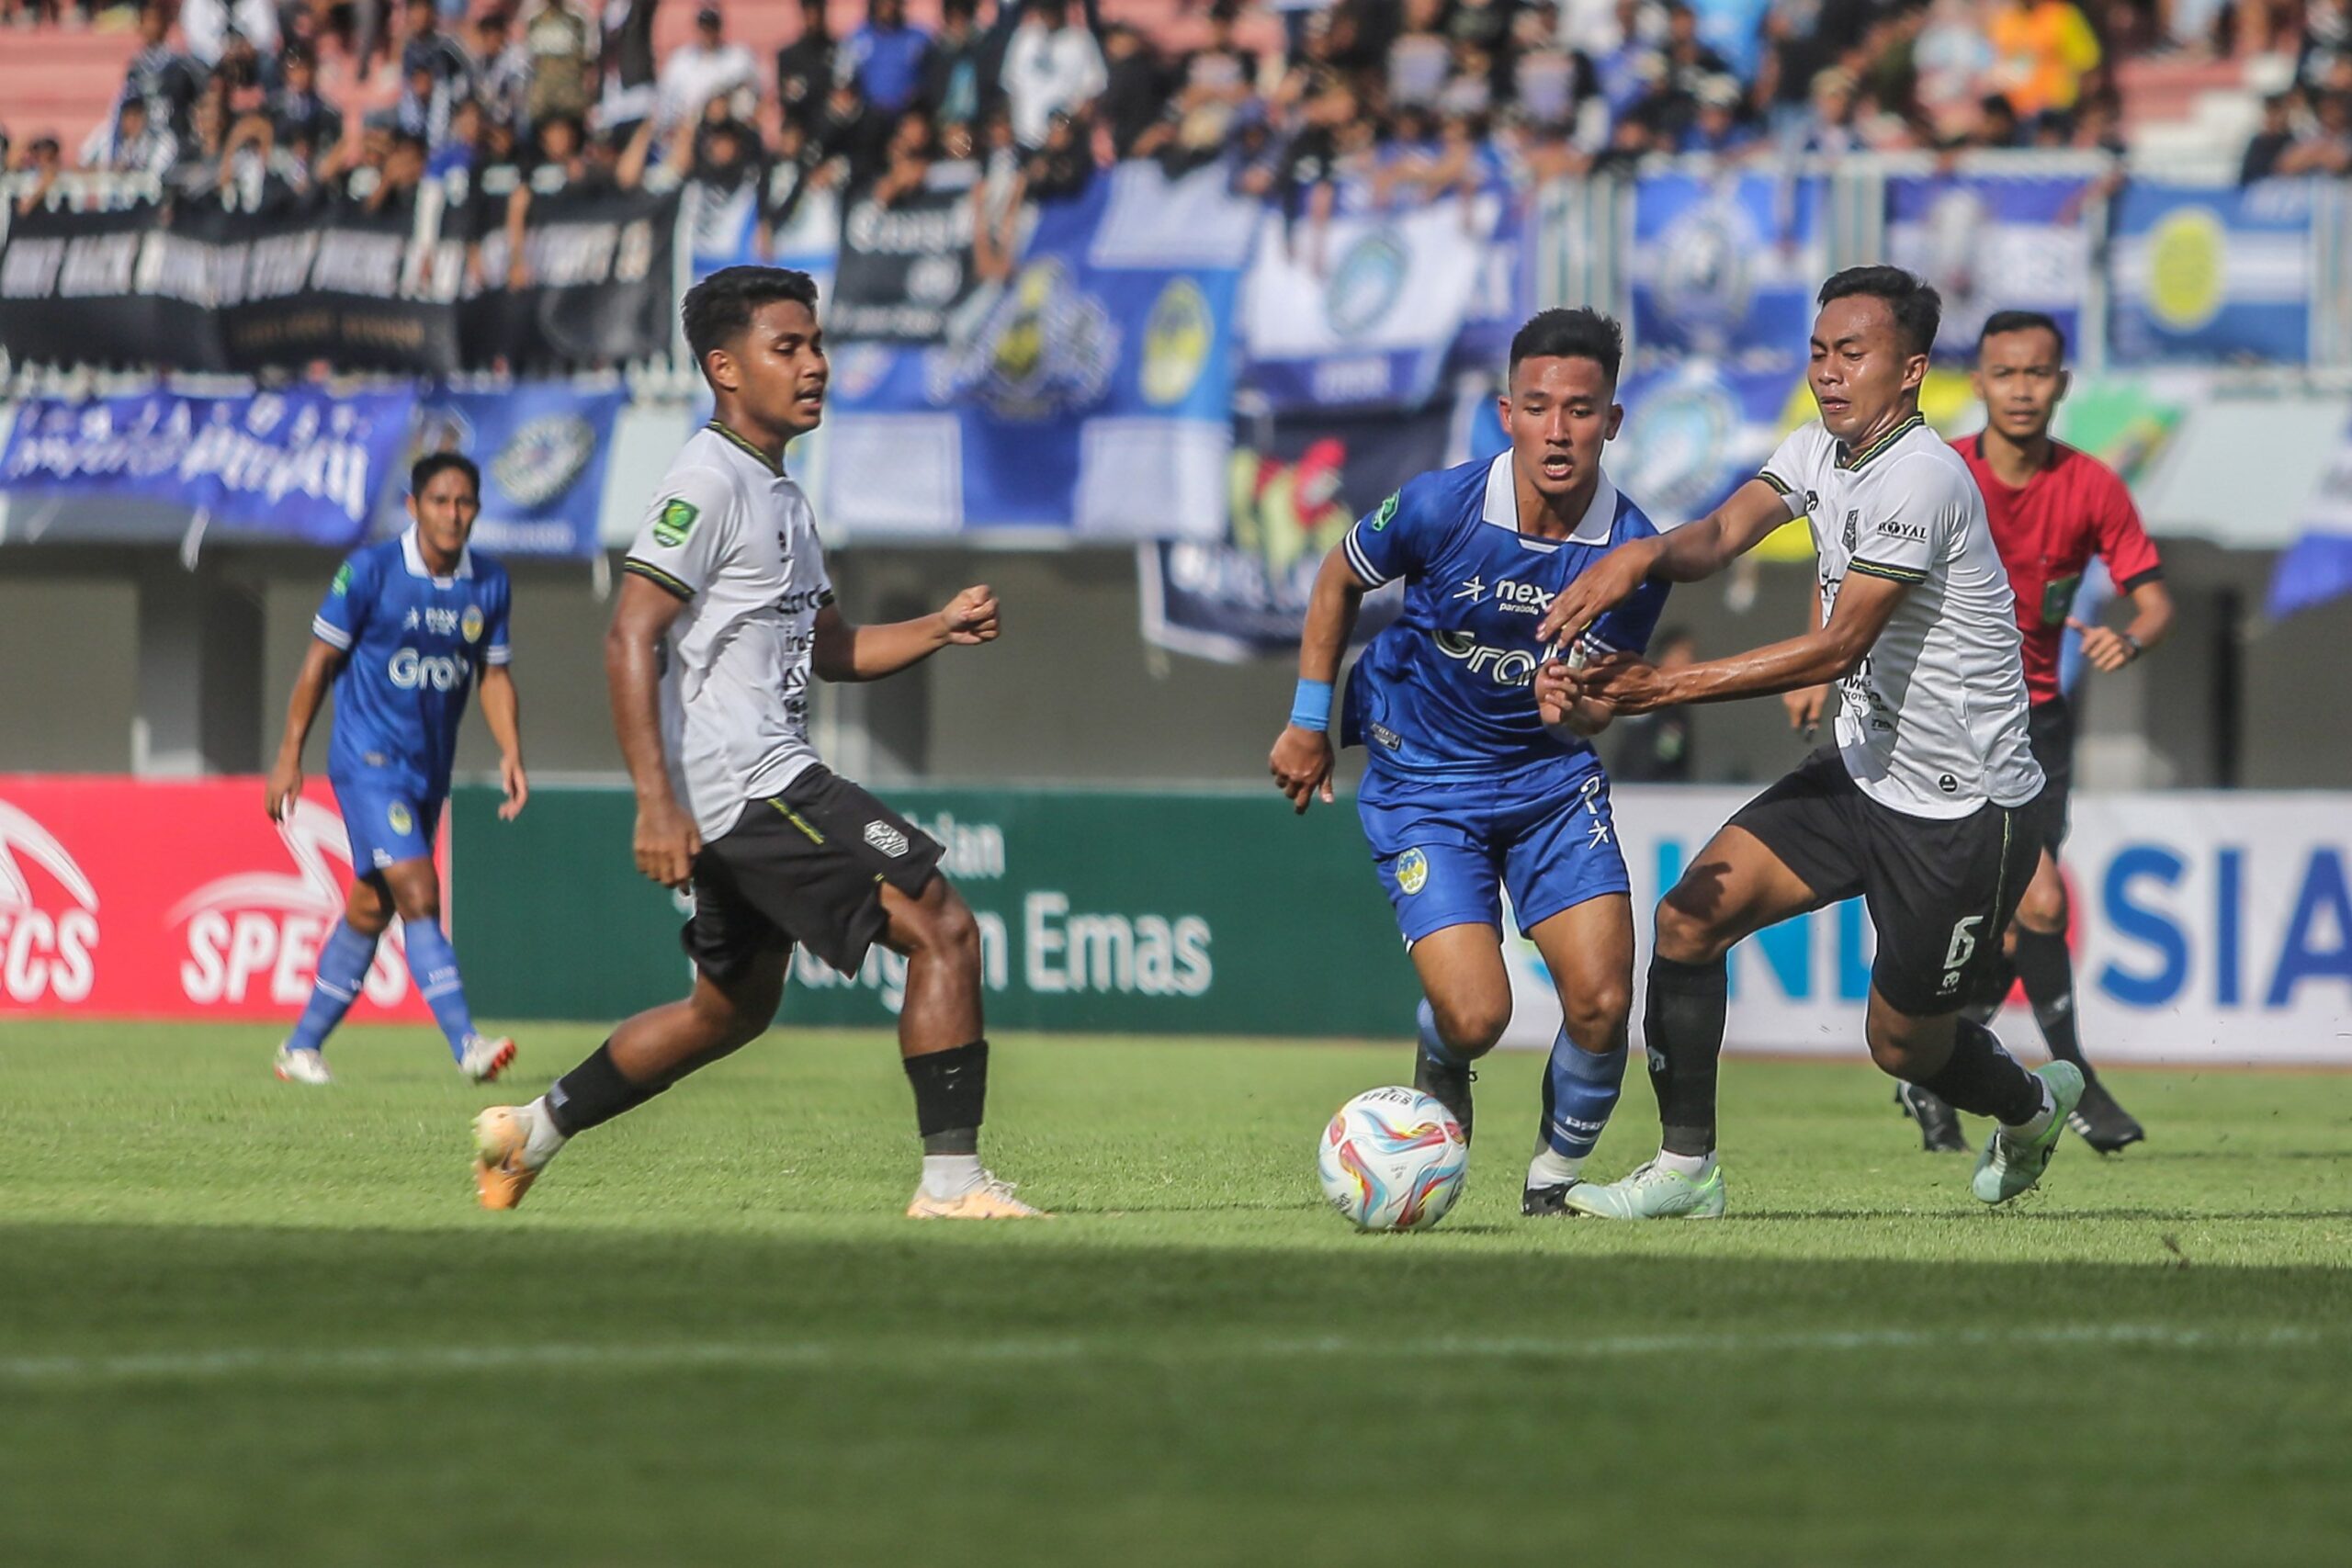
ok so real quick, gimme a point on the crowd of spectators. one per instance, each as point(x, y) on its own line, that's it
point(1401, 99)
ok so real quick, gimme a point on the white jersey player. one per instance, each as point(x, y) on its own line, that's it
point(1925, 807)
point(725, 614)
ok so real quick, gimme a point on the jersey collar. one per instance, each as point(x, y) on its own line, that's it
point(1501, 508)
point(1851, 461)
point(762, 458)
point(413, 557)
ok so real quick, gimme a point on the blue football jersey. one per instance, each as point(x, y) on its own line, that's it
point(1447, 690)
point(413, 643)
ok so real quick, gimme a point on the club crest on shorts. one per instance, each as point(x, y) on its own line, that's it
point(887, 839)
point(400, 818)
point(1412, 870)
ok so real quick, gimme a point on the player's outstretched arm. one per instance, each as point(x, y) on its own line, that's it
point(501, 709)
point(1693, 551)
point(1301, 760)
point(1805, 705)
point(319, 667)
point(1827, 653)
point(847, 652)
point(666, 841)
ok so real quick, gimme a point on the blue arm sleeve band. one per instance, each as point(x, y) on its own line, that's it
point(1311, 707)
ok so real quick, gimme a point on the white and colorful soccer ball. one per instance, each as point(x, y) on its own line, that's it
point(1392, 1159)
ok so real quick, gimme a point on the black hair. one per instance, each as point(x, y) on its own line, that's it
point(1562, 333)
point(433, 464)
point(2001, 322)
point(718, 309)
point(1918, 308)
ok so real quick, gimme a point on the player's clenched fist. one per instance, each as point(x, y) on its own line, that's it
point(1301, 765)
point(666, 842)
point(1558, 687)
point(1607, 581)
point(971, 616)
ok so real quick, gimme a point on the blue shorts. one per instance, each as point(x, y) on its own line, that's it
point(386, 822)
point(1444, 847)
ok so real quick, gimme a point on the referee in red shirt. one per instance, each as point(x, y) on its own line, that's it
point(2051, 509)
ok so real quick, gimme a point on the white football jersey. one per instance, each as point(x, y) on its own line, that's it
point(733, 538)
point(1933, 721)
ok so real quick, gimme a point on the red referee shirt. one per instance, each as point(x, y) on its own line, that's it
point(2073, 509)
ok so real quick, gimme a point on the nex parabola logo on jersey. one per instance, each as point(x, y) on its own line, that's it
point(44, 953)
point(1510, 597)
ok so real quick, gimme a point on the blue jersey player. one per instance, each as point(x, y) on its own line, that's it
point(1466, 793)
point(407, 628)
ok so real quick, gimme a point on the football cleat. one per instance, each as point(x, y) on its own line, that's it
point(1450, 1086)
point(1545, 1202)
point(1940, 1130)
point(301, 1067)
point(482, 1060)
point(502, 1137)
point(991, 1199)
point(2104, 1125)
point(2009, 1166)
point(1652, 1192)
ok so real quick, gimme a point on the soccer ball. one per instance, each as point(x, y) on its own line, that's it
point(1392, 1159)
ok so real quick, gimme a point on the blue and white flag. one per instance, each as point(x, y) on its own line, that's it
point(2214, 273)
point(1694, 433)
point(1506, 294)
point(1728, 266)
point(303, 464)
point(2318, 567)
point(1091, 391)
point(1990, 243)
point(541, 447)
point(1362, 312)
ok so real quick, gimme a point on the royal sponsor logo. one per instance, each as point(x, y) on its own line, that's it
point(258, 933)
point(48, 936)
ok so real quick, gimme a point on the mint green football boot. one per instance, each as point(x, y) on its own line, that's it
point(2007, 1167)
point(1652, 1192)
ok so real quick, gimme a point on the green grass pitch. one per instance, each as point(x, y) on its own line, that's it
point(247, 1323)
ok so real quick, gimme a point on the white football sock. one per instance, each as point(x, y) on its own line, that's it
point(1696, 1166)
point(545, 1139)
point(2038, 1124)
point(1552, 1168)
point(951, 1175)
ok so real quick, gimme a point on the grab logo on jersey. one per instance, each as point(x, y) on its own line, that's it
point(412, 670)
point(49, 929)
point(255, 935)
point(1504, 666)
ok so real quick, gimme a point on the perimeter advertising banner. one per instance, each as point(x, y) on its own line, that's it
point(127, 899)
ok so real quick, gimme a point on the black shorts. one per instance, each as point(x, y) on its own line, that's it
point(806, 866)
point(2050, 731)
point(1939, 893)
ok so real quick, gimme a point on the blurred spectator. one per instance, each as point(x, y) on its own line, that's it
point(297, 112)
point(906, 167)
point(1212, 85)
point(562, 43)
point(626, 68)
point(1951, 56)
point(1137, 105)
point(2327, 42)
point(706, 69)
point(2041, 50)
point(424, 104)
point(130, 144)
point(1419, 57)
point(1061, 166)
point(1735, 30)
point(206, 25)
point(2276, 135)
point(1997, 125)
point(427, 49)
point(1548, 81)
point(2326, 147)
point(1052, 66)
point(886, 56)
point(953, 80)
point(502, 68)
point(159, 74)
point(804, 68)
point(1718, 127)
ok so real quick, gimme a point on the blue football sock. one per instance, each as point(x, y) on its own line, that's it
point(1579, 1092)
point(433, 964)
point(1433, 1047)
point(343, 969)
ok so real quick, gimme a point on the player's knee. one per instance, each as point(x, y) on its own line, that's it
point(1686, 935)
point(1596, 1016)
point(1899, 1053)
point(2044, 909)
point(946, 929)
point(1472, 1028)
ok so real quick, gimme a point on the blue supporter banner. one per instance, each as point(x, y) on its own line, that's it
point(1993, 242)
point(1726, 267)
point(1091, 391)
point(1506, 293)
point(2317, 567)
point(1694, 433)
point(542, 449)
point(302, 464)
point(1363, 311)
point(2217, 273)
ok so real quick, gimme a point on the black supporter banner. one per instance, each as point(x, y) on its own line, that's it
point(903, 269)
point(201, 288)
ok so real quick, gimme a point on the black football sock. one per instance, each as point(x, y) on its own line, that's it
point(1983, 1080)
point(2048, 971)
point(1682, 1026)
point(594, 1093)
point(951, 1091)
